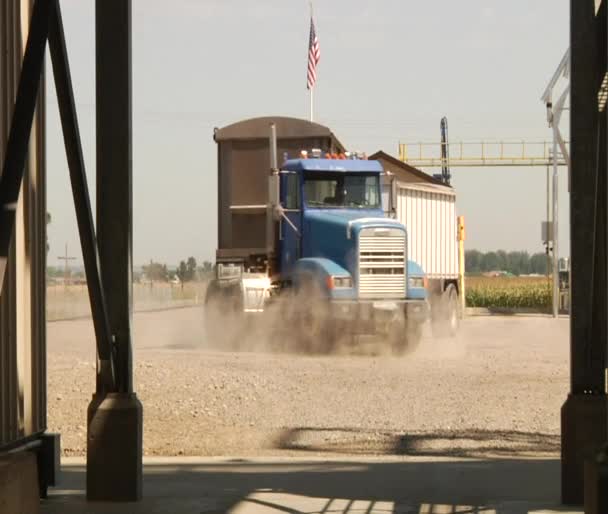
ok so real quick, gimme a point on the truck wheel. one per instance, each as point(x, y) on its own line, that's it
point(313, 326)
point(405, 337)
point(223, 318)
point(445, 314)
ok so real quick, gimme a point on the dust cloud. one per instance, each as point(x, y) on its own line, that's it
point(281, 328)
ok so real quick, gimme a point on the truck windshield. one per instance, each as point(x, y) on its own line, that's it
point(325, 189)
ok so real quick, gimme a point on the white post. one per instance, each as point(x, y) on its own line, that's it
point(555, 230)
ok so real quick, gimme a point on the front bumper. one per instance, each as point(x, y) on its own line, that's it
point(380, 310)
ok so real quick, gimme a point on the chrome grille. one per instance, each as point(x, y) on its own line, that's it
point(382, 263)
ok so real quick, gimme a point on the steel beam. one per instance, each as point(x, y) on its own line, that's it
point(584, 415)
point(106, 380)
point(114, 173)
point(21, 126)
point(114, 442)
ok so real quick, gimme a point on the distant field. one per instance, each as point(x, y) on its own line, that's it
point(508, 292)
point(73, 301)
point(499, 292)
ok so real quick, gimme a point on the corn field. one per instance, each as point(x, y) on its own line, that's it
point(508, 292)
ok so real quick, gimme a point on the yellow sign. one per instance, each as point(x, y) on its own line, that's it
point(461, 231)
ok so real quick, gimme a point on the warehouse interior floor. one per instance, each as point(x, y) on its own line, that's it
point(419, 485)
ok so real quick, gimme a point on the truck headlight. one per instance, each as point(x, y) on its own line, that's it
point(339, 282)
point(417, 282)
point(343, 282)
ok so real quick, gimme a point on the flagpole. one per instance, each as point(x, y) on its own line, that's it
point(313, 87)
point(311, 102)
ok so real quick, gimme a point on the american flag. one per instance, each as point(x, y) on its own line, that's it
point(314, 54)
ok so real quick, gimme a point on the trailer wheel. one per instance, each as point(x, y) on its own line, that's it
point(223, 316)
point(445, 313)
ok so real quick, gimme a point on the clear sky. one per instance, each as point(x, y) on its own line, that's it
point(389, 70)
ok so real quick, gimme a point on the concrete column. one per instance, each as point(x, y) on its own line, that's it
point(584, 416)
point(114, 446)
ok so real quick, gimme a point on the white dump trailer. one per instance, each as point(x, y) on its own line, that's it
point(427, 208)
point(429, 213)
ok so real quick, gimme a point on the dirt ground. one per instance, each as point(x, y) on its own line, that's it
point(495, 390)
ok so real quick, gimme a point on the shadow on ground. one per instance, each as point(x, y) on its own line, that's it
point(413, 486)
point(452, 443)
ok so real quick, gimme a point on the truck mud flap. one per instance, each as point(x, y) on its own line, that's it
point(256, 292)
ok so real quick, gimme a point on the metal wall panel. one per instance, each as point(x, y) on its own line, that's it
point(429, 215)
point(22, 296)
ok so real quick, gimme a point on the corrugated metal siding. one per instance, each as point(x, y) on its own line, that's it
point(429, 215)
point(22, 296)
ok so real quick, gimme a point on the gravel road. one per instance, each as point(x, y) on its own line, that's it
point(495, 390)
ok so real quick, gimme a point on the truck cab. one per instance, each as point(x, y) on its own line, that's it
point(333, 232)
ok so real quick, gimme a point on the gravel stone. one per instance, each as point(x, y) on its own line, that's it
point(496, 389)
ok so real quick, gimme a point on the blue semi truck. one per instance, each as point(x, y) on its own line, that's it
point(312, 243)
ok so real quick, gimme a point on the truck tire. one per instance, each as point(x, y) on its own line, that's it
point(405, 337)
point(223, 316)
point(445, 314)
point(312, 323)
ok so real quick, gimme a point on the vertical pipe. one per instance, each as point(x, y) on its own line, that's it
point(273, 147)
point(549, 231)
point(273, 192)
point(555, 229)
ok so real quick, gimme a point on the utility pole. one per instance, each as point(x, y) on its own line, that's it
point(66, 268)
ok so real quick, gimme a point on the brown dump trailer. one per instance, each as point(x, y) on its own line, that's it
point(243, 156)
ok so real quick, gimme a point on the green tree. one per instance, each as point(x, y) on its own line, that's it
point(502, 261)
point(519, 263)
point(490, 262)
point(191, 268)
point(182, 271)
point(156, 271)
point(472, 261)
point(538, 263)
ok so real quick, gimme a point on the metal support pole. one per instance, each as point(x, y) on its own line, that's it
point(114, 443)
point(273, 193)
point(549, 232)
point(584, 416)
point(555, 229)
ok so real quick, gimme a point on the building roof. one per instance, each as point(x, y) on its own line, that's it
point(287, 128)
point(404, 171)
point(342, 165)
